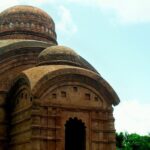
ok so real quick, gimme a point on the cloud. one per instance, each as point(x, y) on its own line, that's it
point(126, 11)
point(133, 117)
point(8, 3)
point(66, 24)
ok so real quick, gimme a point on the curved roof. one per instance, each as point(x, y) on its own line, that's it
point(62, 55)
point(27, 22)
point(9, 45)
point(18, 53)
point(38, 76)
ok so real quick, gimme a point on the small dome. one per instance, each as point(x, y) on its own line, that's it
point(62, 55)
point(58, 54)
point(27, 22)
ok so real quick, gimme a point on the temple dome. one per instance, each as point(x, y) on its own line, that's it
point(62, 55)
point(27, 22)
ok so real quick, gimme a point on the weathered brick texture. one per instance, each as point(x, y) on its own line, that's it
point(50, 97)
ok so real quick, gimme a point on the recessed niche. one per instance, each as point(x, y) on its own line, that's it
point(54, 95)
point(63, 94)
point(87, 96)
point(75, 89)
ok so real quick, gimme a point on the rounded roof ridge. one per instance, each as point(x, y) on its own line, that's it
point(24, 8)
point(58, 49)
point(62, 55)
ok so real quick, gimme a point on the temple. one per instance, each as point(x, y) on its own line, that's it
point(51, 98)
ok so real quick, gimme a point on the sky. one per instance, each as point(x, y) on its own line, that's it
point(114, 36)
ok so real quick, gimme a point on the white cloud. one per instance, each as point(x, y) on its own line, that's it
point(133, 117)
point(127, 11)
point(66, 24)
point(8, 3)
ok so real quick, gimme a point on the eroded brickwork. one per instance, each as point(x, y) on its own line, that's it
point(50, 97)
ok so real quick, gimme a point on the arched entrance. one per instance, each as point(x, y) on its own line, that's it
point(75, 135)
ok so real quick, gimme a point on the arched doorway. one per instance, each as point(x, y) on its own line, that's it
point(75, 135)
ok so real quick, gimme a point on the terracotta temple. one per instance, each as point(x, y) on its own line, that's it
point(50, 97)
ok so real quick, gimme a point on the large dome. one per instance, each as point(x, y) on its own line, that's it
point(27, 22)
point(62, 55)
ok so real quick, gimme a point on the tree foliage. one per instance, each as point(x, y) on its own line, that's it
point(125, 141)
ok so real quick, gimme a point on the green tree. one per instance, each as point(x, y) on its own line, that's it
point(119, 140)
point(125, 141)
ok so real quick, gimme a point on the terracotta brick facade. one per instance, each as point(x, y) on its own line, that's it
point(50, 97)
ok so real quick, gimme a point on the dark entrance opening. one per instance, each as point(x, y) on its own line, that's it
point(75, 135)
